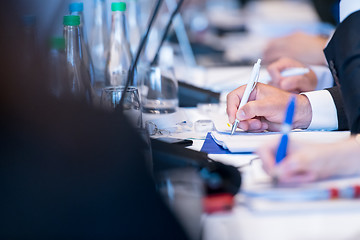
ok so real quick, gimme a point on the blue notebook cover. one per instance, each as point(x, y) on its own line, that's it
point(211, 147)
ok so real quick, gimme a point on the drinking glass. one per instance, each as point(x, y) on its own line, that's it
point(159, 91)
point(110, 100)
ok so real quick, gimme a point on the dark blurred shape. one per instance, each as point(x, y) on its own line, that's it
point(30, 38)
point(243, 3)
point(68, 171)
point(223, 30)
point(328, 10)
point(218, 177)
point(190, 95)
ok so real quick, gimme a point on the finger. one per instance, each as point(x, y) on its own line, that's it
point(244, 125)
point(253, 109)
point(267, 155)
point(280, 65)
point(274, 71)
point(294, 164)
point(308, 83)
point(291, 84)
point(270, 126)
point(255, 124)
point(233, 102)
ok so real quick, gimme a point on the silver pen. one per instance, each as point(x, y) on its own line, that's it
point(249, 87)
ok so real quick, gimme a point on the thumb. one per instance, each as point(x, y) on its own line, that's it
point(250, 110)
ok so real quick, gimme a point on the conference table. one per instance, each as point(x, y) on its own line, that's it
point(259, 218)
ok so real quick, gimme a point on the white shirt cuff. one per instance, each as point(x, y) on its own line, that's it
point(324, 113)
point(348, 7)
point(324, 77)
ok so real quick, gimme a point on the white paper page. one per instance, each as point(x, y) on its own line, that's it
point(249, 142)
point(242, 141)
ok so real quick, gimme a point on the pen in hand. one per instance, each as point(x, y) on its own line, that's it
point(249, 87)
point(288, 72)
point(285, 129)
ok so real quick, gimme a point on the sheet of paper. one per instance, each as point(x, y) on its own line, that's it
point(316, 196)
point(249, 142)
point(260, 194)
point(241, 141)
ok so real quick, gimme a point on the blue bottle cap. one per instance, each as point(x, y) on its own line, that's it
point(76, 7)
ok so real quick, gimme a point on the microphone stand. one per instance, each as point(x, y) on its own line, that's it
point(166, 32)
point(139, 50)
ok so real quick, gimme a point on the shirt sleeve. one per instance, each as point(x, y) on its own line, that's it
point(324, 115)
point(324, 77)
point(348, 7)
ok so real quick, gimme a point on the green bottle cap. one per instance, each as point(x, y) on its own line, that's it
point(57, 43)
point(118, 6)
point(71, 20)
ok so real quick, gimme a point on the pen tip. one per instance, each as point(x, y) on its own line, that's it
point(233, 129)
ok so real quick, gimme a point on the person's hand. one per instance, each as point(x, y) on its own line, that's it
point(300, 46)
point(294, 84)
point(310, 162)
point(266, 109)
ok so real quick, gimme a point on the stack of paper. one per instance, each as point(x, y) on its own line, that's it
point(316, 196)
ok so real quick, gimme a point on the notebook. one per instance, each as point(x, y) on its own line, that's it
point(249, 142)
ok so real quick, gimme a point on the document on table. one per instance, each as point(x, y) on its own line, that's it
point(249, 142)
point(266, 198)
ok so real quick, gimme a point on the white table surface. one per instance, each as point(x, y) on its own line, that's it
point(243, 222)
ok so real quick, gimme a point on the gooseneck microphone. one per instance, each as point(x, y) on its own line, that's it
point(166, 32)
point(138, 52)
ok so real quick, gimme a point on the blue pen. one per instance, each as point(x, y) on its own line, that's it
point(285, 129)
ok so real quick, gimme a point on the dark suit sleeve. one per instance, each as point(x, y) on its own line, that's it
point(343, 56)
point(339, 104)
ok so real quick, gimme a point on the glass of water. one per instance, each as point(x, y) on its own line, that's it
point(159, 91)
point(110, 100)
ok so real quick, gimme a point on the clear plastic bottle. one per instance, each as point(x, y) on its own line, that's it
point(99, 42)
point(119, 57)
point(78, 75)
point(76, 9)
point(57, 61)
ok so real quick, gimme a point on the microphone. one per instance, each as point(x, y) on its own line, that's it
point(138, 52)
point(166, 32)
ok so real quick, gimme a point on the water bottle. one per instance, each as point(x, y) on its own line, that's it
point(99, 42)
point(57, 62)
point(76, 9)
point(119, 57)
point(79, 79)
